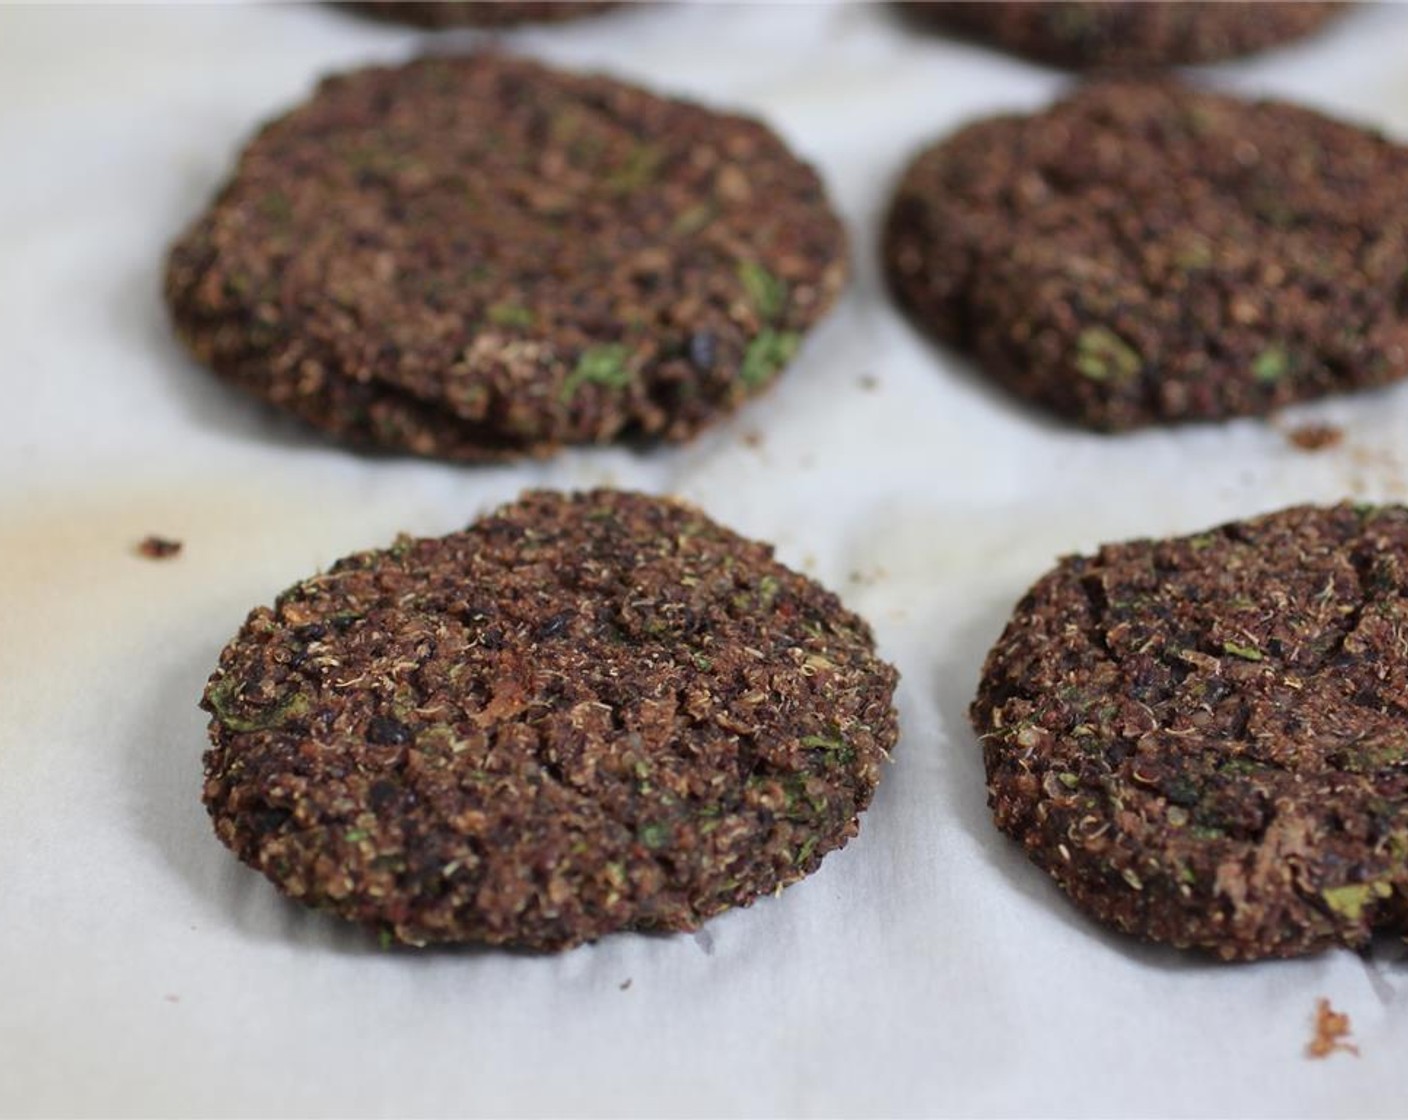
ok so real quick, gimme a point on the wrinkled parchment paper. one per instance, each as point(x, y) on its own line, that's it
point(926, 969)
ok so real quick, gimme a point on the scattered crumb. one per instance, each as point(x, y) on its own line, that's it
point(1315, 437)
point(1375, 473)
point(1331, 1029)
point(867, 578)
point(753, 439)
point(869, 382)
point(626, 983)
point(808, 563)
point(171, 998)
point(158, 548)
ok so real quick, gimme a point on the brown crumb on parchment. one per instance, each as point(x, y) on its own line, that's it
point(1315, 437)
point(1332, 1028)
point(159, 548)
point(624, 985)
point(869, 382)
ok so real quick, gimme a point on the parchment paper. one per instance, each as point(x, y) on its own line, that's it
point(926, 969)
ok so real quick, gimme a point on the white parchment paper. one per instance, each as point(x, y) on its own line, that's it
point(926, 969)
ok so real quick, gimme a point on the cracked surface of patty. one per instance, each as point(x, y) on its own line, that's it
point(1143, 252)
point(479, 258)
point(1204, 740)
point(1120, 33)
point(584, 713)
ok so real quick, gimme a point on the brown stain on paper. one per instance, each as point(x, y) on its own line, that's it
point(74, 591)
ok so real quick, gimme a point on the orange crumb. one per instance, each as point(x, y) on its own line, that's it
point(1331, 1030)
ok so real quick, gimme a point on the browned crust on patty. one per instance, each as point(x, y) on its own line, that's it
point(479, 257)
point(1123, 34)
point(480, 13)
point(1145, 253)
point(584, 713)
point(1204, 740)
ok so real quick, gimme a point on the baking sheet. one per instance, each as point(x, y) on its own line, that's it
point(926, 969)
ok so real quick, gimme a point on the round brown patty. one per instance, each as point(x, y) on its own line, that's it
point(480, 257)
point(480, 13)
point(1205, 740)
point(1144, 253)
point(584, 713)
point(1121, 33)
